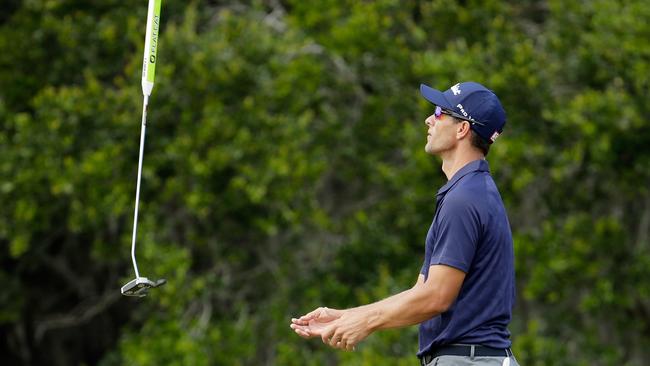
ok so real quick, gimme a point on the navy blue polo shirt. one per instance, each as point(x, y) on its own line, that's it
point(470, 231)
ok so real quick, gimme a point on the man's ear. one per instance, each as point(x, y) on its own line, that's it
point(463, 130)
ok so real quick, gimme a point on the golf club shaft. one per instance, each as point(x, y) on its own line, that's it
point(137, 190)
point(148, 72)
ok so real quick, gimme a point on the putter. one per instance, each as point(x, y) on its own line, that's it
point(140, 285)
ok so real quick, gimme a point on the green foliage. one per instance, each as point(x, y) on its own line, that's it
point(284, 170)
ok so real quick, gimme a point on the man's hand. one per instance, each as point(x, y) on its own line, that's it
point(348, 330)
point(312, 324)
point(341, 329)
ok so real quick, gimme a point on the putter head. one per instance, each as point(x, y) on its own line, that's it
point(140, 286)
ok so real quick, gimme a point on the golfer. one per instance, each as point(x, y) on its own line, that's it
point(465, 292)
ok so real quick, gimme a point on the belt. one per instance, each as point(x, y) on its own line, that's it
point(464, 350)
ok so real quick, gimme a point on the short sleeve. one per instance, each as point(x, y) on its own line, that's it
point(458, 232)
point(425, 268)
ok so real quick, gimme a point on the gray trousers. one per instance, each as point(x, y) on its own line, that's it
point(468, 361)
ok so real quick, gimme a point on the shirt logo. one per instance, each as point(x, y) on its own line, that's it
point(456, 89)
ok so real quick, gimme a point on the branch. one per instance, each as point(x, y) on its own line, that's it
point(79, 315)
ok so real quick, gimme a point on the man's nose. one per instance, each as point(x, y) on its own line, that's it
point(430, 121)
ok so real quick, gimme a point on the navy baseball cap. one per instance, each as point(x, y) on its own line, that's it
point(473, 102)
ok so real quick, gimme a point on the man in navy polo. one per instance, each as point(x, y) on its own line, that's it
point(465, 292)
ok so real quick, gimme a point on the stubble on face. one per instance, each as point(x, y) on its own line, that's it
point(440, 136)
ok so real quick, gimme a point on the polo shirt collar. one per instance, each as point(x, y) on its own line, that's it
point(480, 165)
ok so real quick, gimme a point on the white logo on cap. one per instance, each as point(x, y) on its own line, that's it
point(462, 110)
point(494, 136)
point(456, 89)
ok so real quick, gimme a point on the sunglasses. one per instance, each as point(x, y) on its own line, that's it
point(440, 111)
